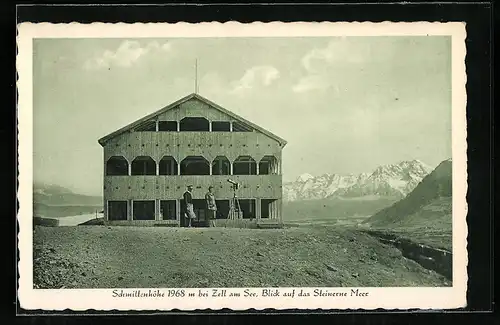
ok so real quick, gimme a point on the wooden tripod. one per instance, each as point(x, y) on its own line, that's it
point(234, 207)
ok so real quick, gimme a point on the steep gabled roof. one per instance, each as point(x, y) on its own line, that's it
point(126, 128)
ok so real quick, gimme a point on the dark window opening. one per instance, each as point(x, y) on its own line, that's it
point(147, 126)
point(117, 210)
point(240, 127)
point(244, 165)
point(170, 126)
point(222, 209)
point(265, 207)
point(268, 165)
point(264, 168)
point(195, 165)
point(168, 166)
point(143, 166)
point(144, 210)
point(221, 166)
point(117, 166)
point(219, 126)
point(247, 206)
point(199, 208)
point(168, 210)
point(194, 124)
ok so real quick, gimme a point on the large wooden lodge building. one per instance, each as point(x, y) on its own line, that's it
point(149, 163)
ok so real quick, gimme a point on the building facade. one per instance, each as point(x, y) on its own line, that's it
point(149, 163)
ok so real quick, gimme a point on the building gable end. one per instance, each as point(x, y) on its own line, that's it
point(192, 105)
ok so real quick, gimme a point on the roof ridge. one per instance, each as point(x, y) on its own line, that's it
point(129, 126)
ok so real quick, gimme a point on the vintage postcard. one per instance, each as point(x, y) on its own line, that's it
point(242, 166)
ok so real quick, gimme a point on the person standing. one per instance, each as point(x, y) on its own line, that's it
point(188, 204)
point(211, 206)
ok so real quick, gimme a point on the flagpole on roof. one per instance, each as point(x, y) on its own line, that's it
point(196, 76)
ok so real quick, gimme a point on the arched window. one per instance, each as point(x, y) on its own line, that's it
point(143, 165)
point(194, 124)
point(168, 166)
point(117, 166)
point(268, 165)
point(244, 165)
point(221, 166)
point(195, 165)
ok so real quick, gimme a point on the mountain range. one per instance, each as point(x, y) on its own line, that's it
point(394, 181)
point(429, 204)
point(56, 195)
point(53, 201)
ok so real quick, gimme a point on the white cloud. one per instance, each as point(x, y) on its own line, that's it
point(125, 55)
point(256, 76)
point(341, 50)
point(316, 62)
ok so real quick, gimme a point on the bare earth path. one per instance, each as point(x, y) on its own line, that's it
point(136, 257)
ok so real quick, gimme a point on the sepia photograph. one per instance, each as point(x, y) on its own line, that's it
point(316, 161)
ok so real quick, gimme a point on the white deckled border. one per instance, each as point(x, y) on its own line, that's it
point(101, 299)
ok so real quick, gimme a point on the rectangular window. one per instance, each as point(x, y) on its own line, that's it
point(169, 126)
point(247, 206)
point(222, 209)
point(144, 210)
point(220, 126)
point(168, 210)
point(117, 210)
point(266, 206)
point(200, 207)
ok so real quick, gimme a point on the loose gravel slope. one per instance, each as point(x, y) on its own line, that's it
point(150, 257)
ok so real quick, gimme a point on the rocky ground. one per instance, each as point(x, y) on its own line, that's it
point(108, 257)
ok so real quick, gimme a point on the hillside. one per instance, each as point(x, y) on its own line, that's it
point(55, 195)
point(436, 214)
point(160, 257)
point(390, 181)
point(53, 201)
point(430, 200)
point(57, 211)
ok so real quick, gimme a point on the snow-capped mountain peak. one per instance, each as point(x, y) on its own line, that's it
point(393, 180)
point(304, 178)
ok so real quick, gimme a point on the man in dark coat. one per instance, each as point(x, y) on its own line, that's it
point(188, 205)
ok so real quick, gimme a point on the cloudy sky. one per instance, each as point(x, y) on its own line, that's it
point(345, 105)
